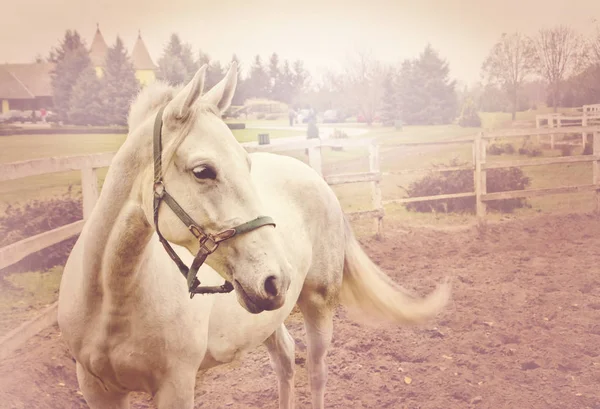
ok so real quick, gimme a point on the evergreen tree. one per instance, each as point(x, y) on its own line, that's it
point(427, 95)
point(274, 77)
point(187, 59)
point(214, 74)
point(300, 77)
point(86, 106)
point(389, 102)
point(258, 81)
point(119, 84)
point(71, 59)
point(176, 66)
point(71, 42)
point(240, 92)
point(285, 87)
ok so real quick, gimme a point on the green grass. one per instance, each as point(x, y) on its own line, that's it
point(26, 147)
point(23, 295)
point(495, 120)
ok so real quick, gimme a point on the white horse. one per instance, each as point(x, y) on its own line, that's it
point(124, 307)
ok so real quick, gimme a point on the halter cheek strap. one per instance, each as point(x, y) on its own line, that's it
point(208, 242)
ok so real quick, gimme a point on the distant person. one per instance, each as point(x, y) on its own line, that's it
point(43, 114)
point(292, 116)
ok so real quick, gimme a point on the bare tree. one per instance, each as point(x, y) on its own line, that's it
point(560, 53)
point(595, 48)
point(364, 83)
point(510, 62)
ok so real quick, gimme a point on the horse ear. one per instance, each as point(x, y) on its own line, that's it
point(221, 94)
point(190, 93)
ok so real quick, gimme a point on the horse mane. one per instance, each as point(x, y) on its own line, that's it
point(148, 101)
point(153, 97)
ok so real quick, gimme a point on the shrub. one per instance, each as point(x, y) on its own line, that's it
point(509, 149)
point(499, 149)
point(469, 116)
point(337, 134)
point(438, 183)
point(260, 115)
point(37, 217)
point(312, 131)
point(566, 150)
point(495, 149)
point(533, 152)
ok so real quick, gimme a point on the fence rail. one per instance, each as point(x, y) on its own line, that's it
point(88, 164)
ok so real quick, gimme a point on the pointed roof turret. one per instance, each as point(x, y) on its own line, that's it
point(98, 49)
point(140, 56)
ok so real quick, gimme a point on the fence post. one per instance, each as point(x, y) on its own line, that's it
point(551, 123)
point(376, 187)
point(596, 167)
point(584, 134)
point(480, 177)
point(89, 189)
point(314, 158)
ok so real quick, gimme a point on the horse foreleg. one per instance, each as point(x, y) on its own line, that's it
point(95, 393)
point(318, 321)
point(176, 391)
point(281, 349)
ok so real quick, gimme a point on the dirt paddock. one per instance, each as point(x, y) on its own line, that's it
point(523, 331)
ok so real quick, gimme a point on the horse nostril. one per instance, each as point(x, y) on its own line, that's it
point(271, 286)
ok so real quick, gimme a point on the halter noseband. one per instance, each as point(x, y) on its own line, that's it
point(208, 242)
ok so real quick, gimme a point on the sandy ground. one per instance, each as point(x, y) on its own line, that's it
point(523, 331)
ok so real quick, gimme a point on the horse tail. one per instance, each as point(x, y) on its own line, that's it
point(368, 290)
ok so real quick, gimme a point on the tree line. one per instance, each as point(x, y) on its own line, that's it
point(558, 59)
point(273, 79)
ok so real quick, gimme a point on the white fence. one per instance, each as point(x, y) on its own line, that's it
point(88, 164)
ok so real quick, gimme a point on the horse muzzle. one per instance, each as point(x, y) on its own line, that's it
point(270, 295)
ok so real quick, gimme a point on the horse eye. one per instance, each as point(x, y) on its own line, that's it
point(204, 172)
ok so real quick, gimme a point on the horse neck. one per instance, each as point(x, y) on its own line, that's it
point(118, 231)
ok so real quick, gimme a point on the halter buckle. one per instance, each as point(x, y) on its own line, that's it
point(159, 189)
point(209, 244)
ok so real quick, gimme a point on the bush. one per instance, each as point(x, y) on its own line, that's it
point(495, 149)
point(566, 150)
point(438, 183)
point(37, 217)
point(337, 134)
point(312, 132)
point(469, 116)
point(499, 149)
point(533, 152)
point(260, 115)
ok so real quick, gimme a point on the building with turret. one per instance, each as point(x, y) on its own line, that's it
point(26, 87)
point(145, 69)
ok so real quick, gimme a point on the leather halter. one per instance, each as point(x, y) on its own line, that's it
point(208, 242)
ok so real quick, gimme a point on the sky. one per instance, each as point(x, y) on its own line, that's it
point(322, 33)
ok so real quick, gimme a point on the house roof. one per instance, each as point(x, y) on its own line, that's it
point(98, 49)
point(140, 56)
point(25, 81)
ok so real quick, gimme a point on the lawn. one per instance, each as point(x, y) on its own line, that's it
point(25, 147)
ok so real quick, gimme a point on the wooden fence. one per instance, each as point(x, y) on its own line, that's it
point(590, 117)
point(88, 164)
point(480, 166)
